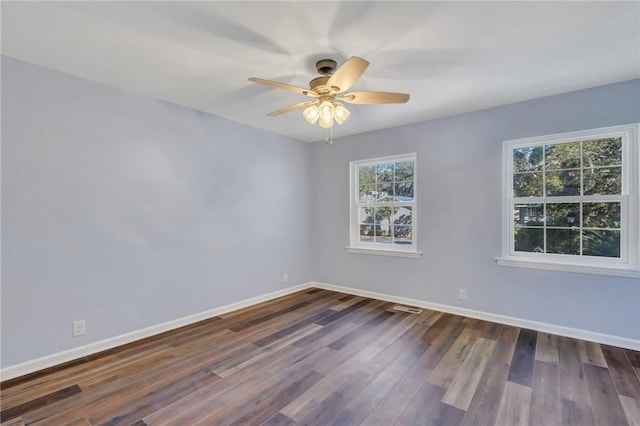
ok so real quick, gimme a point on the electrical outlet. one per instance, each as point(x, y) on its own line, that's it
point(79, 328)
point(462, 294)
point(285, 277)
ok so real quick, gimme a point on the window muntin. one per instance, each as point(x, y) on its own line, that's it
point(383, 205)
point(572, 198)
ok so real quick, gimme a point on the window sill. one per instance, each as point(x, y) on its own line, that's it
point(614, 271)
point(382, 252)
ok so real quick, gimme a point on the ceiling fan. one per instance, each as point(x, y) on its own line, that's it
point(331, 87)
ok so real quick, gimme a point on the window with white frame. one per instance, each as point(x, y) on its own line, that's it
point(570, 201)
point(383, 206)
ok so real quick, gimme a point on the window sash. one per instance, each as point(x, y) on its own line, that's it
point(578, 258)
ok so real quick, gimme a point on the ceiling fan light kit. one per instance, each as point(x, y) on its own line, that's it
point(330, 86)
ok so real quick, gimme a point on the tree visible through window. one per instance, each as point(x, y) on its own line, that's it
point(590, 170)
point(383, 203)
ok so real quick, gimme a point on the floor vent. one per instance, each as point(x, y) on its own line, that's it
point(408, 309)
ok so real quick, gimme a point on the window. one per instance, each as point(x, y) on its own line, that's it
point(383, 206)
point(570, 202)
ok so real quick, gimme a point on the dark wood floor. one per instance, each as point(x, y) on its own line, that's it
point(325, 358)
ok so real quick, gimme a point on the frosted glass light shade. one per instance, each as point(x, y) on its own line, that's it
point(311, 114)
point(325, 123)
point(326, 111)
point(340, 113)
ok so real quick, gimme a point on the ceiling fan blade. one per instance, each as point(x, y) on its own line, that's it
point(374, 98)
point(288, 87)
point(344, 77)
point(292, 108)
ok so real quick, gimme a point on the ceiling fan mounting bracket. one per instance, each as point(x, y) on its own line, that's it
point(326, 67)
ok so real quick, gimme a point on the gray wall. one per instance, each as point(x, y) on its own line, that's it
point(129, 212)
point(459, 196)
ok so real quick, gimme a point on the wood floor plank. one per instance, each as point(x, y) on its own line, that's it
point(591, 353)
point(463, 386)
point(631, 407)
point(634, 357)
point(547, 348)
point(523, 358)
point(576, 413)
point(621, 372)
point(79, 422)
point(345, 311)
point(361, 331)
point(320, 357)
point(189, 410)
point(397, 361)
point(389, 410)
point(573, 385)
point(423, 407)
point(293, 327)
point(328, 408)
point(13, 422)
point(605, 404)
point(138, 408)
point(485, 403)
point(515, 405)
point(440, 336)
point(279, 420)
point(361, 352)
point(446, 370)
point(272, 405)
point(313, 397)
point(18, 410)
point(546, 404)
point(260, 396)
point(264, 318)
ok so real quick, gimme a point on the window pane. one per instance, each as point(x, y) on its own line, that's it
point(563, 214)
point(385, 192)
point(366, 183)
point(563, 241)
point(562, 156)
point(384, 172)
point(404, 171)
point(383, 234)
point(402, 234)
point(366, 215)
point(603, 181)
point(527, 185)
point(383, 216)
point(528, 215)
point(563, 183)
point(527, 159)
point(366, 233)
point(402, 215)
point(404, 191)
point(529, 240)
point(601, 215)
point(602, 152)
point(601, 243)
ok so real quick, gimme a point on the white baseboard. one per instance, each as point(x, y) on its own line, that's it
point(575, 333)
point(58, 358)
point(27, 367)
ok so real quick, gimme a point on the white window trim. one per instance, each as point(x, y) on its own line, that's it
point(629, 264)
point(409, 251)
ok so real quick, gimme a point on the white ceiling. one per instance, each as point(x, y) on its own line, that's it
point(452, 57)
